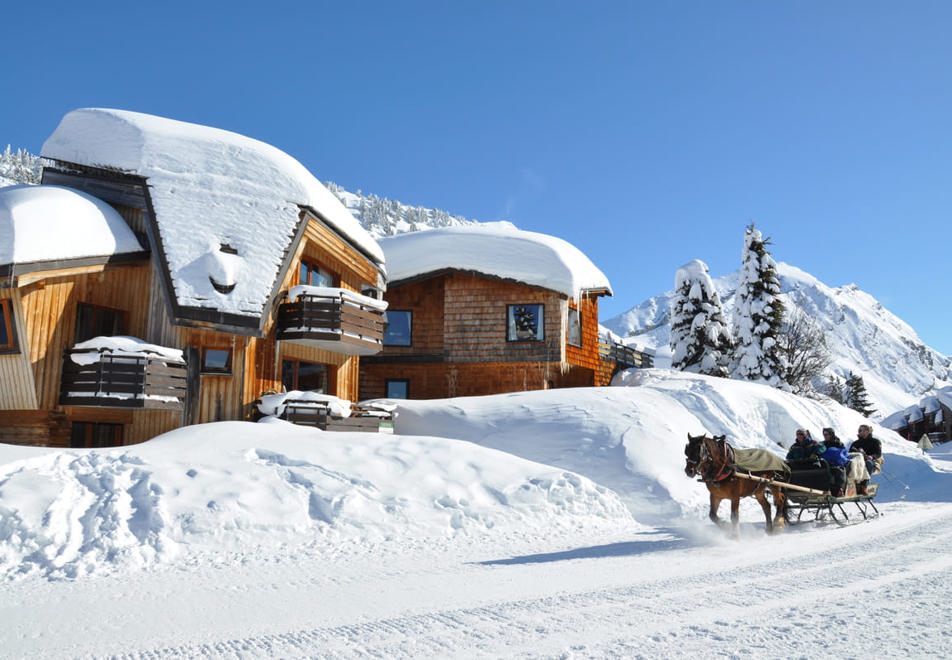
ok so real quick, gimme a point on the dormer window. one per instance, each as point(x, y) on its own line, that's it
point(313, 274)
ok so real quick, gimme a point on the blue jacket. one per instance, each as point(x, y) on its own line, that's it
point(836, 456)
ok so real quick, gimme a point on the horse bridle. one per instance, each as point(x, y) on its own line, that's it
point(704, 456)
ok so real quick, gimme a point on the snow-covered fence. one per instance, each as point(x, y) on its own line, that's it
point(107, 378)
point(327, 412)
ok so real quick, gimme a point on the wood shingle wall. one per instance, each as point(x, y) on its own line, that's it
point(460, 346)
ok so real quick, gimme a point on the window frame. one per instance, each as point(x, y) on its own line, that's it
point(386, 329)
point(510, 323)
point(225, 370)
point(569, 327)
point(295, 378)
point(393, 381)
point(120, 316)
point(9, 326)
point(312, 266)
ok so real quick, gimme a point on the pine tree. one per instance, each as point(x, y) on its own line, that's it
point(700, 337)
point(834, 388)
point(758, 316)
point(856, 397)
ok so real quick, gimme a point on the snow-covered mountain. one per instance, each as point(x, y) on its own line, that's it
point(387, 217)
point(863, 336)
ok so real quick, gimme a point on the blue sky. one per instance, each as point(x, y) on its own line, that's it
point(646, 133)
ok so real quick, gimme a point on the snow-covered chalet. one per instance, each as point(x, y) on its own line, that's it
point(166, 274)
point(486, 309)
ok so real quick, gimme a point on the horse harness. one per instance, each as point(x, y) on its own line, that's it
point(721, 464)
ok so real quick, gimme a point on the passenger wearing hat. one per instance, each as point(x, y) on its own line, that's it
point(830, 439)
point(837, 458)
point(804, 447)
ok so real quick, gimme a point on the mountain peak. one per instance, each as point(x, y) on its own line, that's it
point(863, 336)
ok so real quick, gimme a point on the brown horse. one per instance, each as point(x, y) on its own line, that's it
point(713, 460)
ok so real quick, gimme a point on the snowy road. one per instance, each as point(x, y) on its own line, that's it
point(874, 589)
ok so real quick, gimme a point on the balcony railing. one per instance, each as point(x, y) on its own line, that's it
point(624, 357)
point(118, 379)
point(334, 319)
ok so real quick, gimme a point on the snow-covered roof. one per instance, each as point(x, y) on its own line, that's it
point(927, 405)
point(495, 249)
point(52, 223)
point(226, 205)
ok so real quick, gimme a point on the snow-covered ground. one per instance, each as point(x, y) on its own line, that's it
point(535, 524)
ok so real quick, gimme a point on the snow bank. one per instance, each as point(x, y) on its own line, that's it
point(49, 223)
point(554, 464)
point(631, 437)
point(496, 249)
point(217, 492)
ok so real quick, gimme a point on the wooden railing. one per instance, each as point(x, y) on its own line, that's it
point(624, 357)
point(335, 323)
point(309, 413)
point(122, 381)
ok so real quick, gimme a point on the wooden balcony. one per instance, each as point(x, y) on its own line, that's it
point(624, 357)
point(333, 319)
point(107, 379)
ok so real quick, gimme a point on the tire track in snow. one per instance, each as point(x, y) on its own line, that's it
point(776, 606)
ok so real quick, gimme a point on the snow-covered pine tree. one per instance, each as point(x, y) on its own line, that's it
point(834, 388)
point(856, 397)
point(758, 315)
point(700, 336)
point(19, 166)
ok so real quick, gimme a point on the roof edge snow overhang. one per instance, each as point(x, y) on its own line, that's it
point(489, 276)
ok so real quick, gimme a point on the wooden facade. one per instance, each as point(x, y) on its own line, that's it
point(228, 368)
point(937, 424)
point(461, 342)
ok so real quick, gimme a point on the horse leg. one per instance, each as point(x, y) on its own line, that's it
point(765, 505)
point(780, 501)
point(735, 516)
point(715, 502)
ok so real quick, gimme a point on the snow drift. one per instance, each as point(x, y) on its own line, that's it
point(547, 464)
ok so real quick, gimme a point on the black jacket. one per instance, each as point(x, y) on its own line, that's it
point(872, 447)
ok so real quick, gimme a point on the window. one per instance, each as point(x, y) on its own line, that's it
point(8, 330)
point(93, 321)
point(526, 322)
point(397, 388)
point(574, 330)
point(216, 360)
point(312, 274)
point(304, 376)
point(94, 434)
point(398, 325)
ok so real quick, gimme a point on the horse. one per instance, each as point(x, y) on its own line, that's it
point(713, 460)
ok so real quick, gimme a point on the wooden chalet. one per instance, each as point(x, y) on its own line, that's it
point(486, 311)
point(232, 269)
point(932, 416)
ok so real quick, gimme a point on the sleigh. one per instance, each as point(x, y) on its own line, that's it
point(811, 494)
